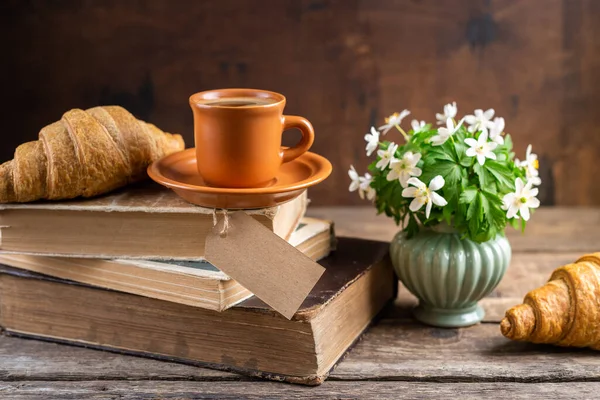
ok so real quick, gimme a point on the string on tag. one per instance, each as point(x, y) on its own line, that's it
point(271, 212)
point(225, 221)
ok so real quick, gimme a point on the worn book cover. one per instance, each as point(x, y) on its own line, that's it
point(196, 283)
point(249, 338)
point(135, 223)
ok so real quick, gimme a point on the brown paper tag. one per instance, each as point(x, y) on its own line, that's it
point(271, 268)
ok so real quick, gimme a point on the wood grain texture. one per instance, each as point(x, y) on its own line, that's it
point(395, 348)
point(343, 64)
point(101, 390)
point(24, 359)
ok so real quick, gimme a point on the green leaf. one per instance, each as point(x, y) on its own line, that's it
point(412, 228)
point(492, 189)
point(514, 223)
point(450, 193)
point(439, 154)
point(485, 179)
point(460, 216)
point(494, 212)
point(508, 143)
point(485, 235)
point(468, 195)
point(485, 206)
point(447, 214)
point(462, 158)
point(372, 167)
point(475, 211)
point(502, 174)
point(450, 171)
point(473, 228)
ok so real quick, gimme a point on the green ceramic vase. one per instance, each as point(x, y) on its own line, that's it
point(449, 275)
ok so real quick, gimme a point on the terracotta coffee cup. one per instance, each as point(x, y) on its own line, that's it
point(238, 136)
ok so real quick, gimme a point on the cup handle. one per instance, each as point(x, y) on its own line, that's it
point(308, 136)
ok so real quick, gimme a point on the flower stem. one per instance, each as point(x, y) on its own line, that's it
point(402, 132)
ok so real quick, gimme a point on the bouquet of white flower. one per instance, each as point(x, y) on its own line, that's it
point(463, 173)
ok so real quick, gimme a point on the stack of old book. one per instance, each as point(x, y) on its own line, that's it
point(125, 272)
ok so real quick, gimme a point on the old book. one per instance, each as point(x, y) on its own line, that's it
point(196, 283)
point(249, 338)
point(141, 222)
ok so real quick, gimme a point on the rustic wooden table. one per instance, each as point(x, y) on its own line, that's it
point(397, 357)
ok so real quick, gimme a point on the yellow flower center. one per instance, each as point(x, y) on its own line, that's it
point(394, 116)
point(536, 164)
point(523, 200)
point(424, 193)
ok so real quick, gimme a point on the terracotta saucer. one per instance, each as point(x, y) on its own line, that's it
point(178, 171)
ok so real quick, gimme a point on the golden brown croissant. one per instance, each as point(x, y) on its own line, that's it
point(564, 312)
point(86, 153)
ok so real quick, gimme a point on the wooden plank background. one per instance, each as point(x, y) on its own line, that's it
point(344, 64)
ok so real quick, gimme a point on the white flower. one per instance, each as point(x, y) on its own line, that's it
point(393, 120)
point(481, 148)
point(496, 130)
point(372, 141)
point(365, 187)
point(405, 168)
point(354, 178)
point(443, 134)
point(481, 121)
point(417, 126)
point(425, 195)
point(386, 156)
point(531, 165)
point(362, 184)
point(450, 111)
point(521, 200)
point(535, 180)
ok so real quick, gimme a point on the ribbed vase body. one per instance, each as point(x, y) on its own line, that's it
point(449, 274)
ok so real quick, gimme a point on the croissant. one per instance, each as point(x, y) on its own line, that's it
point(564, 312)
point(86, 153)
